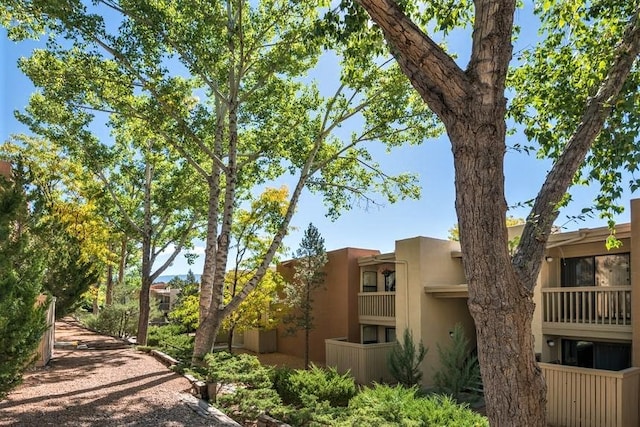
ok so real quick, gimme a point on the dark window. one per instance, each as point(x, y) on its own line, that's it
point(369, 334)
point(390, 334)
point(600, 270)
point(597, 355)
point(370, 281)
point(389, 280)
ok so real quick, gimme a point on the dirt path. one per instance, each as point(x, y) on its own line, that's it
point(108, 383)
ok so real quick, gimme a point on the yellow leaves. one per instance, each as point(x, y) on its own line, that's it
point(82, 222)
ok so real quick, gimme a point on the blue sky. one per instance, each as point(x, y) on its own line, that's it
point(374, 227)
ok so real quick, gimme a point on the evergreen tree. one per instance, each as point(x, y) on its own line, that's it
point(404, 360)
point(22, 321)
point(309, 275)
point(459, 370)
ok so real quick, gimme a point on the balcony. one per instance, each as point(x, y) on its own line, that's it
point(377, 308)
point(589, 311)
point(591, 397)
point(366, 362)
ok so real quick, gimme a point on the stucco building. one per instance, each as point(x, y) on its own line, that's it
point(585, 334)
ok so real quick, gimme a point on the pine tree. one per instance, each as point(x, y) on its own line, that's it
point(22, 322)
point(459, 370)
point(404, 360)
point(311, 257)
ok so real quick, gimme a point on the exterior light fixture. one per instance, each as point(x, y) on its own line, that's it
point(551, 343)
point(549, 259)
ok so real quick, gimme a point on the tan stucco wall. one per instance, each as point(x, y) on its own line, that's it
point(422, 262)
point(335, 306)
point(550, 276)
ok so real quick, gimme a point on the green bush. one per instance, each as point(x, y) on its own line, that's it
point(281, 383)
point(244, 388)
point(172, 340)
point(224, 368)
point(404, 360)
point(158, 334)
point(400, 406)
point(460, 370)
point(185, 311)
point(307, 387)
point(118, 320)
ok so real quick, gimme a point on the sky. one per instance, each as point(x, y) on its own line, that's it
point(371, 227)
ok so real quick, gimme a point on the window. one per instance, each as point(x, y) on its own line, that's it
point(389, 280)
point(597, 355)
point(600, 270)
point(369, 334)
point(369, 281)
point(390, 334)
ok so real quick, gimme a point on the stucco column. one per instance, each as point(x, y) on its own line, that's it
point(5, 169)
point(635, 281)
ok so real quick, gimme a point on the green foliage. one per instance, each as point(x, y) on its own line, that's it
point(243, 387)
point(185, 312)
point(310, 259)
point(118, 320)
point(172, 340)
point(404, 360)
point(460, 370)
point(67, 277)
point(306, 387)
point(282, 385)
point(22, 323)
point(224, 368)
point(384, 405)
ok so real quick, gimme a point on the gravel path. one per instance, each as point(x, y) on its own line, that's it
point(106, 384)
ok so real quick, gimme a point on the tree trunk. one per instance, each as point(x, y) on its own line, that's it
point(147, 264)
point(109, 284)
point(307, 325)
point(96, 306)
point(499, 302)
point(230, 343)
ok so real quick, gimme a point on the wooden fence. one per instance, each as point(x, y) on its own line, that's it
point(580, 397)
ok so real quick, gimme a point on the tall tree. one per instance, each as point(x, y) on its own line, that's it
point(228, 88)
point(63, 215)
point(308, 276)
point(22, 321)
point(577, 97)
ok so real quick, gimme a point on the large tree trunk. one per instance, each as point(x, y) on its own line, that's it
point(147, 263)
point(499, 302)
point(109, 284)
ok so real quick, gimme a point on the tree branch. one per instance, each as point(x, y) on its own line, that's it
point(434, 74)
point(544, 211)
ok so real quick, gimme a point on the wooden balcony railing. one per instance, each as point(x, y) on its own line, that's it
point(377, 304)
point(597, 305)
point(366, 362)
point(591, 397)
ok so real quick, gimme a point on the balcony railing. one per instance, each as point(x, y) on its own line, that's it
point(591, 397)
point(366, 362)
point(594, 305)
point(373, 305)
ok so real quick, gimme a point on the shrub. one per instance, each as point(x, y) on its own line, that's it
point(224, 368)
point(118, 320)
point(185, 312)
point(460, 370)
point(244, 388)
point(404, 360)
point(281, 383)
point(172, 340)
point(318, 385)
point(387, 405)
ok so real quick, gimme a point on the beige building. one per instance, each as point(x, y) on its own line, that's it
point(585, 338)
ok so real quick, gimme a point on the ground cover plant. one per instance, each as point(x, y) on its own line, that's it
point(244, 389)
